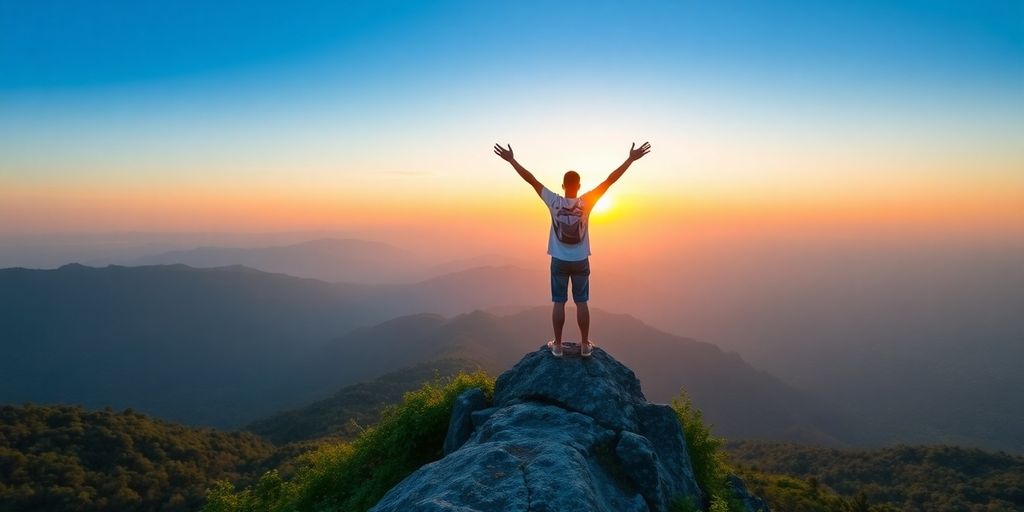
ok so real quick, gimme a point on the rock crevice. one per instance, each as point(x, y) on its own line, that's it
point(526, 483)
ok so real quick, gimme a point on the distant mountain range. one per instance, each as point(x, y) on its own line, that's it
point(226, 346)
point(201, 346)
point(329, 259)
point(214, 347)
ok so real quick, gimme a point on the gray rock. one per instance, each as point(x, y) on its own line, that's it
point(481, 416)
point(563, 434)
point(477, 478)
point(541, 424)
point(598, 386)
point(640, 462)
point(561, 478)
point(461, 423)
point(660, 426)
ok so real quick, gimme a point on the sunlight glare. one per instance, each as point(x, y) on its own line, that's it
point(603, 205)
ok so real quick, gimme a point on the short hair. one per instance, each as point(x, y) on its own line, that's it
point(571, 178)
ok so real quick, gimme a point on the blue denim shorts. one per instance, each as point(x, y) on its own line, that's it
point(562, 272)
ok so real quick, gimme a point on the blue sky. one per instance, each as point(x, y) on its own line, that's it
point(50, 45)
point(204, 93)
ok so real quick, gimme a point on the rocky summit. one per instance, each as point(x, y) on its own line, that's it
point(562, 434)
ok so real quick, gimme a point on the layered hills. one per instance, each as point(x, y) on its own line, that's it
point(227, 346)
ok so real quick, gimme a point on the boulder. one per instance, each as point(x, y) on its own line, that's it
point(461, 423)
point(561, 434)
point(598, 386)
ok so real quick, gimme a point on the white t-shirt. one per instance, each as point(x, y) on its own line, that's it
point(557, 249)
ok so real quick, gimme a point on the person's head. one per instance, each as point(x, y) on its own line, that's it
point(571, 183)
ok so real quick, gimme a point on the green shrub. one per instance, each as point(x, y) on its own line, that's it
point(354, 476)
point(707, 456)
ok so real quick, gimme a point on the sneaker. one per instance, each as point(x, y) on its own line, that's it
point(586, 349)
point(556, 350)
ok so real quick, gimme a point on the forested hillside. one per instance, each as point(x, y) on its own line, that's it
point(910, 478)
point(68, 458)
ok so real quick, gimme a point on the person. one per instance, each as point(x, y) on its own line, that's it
point(569, 241)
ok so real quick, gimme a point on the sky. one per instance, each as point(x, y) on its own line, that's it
point(275, 116)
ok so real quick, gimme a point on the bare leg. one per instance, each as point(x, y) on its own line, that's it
point(583, 318)
point(558, 320)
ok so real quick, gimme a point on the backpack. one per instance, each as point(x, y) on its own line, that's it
point(569, 224)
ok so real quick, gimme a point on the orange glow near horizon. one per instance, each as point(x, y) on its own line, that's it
point(93, 208)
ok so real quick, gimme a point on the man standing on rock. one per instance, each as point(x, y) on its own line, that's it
point(569, 241)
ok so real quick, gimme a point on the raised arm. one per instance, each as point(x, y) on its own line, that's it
point(635, 153)
point(506, 155)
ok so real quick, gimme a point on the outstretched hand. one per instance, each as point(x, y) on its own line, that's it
point(504, 153)
point(635, 153)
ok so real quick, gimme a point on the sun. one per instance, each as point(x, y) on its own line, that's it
point(603, 205)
